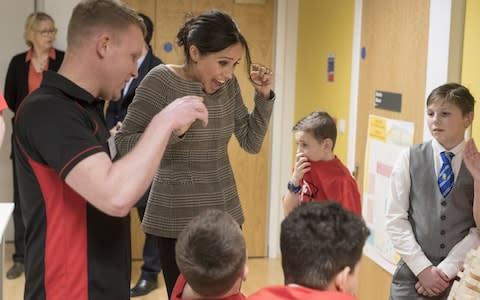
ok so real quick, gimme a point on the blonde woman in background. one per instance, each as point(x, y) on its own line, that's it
point(25, 72)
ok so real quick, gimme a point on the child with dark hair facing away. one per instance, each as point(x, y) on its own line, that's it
point(318, 173)
point(211, 256)
point(430, 213)
point(321, 245)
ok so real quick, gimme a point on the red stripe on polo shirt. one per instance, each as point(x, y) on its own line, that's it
point(75, 157)
point(65, 261)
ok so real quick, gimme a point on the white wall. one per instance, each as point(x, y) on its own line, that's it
point(60, 12)
point(445, 44)
point(281, 150)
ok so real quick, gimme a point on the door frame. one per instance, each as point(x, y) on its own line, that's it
point(285, 52)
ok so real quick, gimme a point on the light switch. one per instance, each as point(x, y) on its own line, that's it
point(341, 126)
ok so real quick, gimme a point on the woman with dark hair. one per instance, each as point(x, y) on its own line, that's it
point(25, 72)
point(195, 173)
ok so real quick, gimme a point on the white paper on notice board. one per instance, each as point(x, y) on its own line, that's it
point(386, 139)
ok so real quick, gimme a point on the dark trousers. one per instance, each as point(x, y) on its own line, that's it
point(18, 255)
point(169, 264)
point(151, 259)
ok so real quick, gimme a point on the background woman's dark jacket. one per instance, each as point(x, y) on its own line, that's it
point(16, 83)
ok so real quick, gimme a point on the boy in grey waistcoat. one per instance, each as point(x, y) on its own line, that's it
point(430, 212)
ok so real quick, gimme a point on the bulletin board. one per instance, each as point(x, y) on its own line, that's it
point(386, 139)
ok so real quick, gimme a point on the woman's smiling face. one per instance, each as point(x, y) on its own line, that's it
point(212, 70)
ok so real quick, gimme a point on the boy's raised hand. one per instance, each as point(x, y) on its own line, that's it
point(302, 166)
point(471, 158)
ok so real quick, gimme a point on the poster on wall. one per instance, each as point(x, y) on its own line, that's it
point(386, 139)
point(331, 68)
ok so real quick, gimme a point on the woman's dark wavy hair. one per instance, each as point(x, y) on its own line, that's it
point(211, 32)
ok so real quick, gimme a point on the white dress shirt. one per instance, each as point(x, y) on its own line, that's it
point(399, 228)
point(127, 85)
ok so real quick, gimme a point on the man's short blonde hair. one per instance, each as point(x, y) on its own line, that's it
point(91, 15)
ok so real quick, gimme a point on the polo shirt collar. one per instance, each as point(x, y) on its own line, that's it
point(68, 87)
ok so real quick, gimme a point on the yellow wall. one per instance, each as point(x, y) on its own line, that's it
point(471, 59)
point(325, 27)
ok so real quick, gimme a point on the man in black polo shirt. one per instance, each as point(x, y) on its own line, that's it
point(77, 225)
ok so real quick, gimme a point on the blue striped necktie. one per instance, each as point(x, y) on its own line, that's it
point(446, 177)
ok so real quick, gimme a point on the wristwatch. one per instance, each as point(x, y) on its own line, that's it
point(294, 188)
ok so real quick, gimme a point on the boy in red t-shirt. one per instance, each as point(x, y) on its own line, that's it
point(321, 245)
point(211, 255)
point(3, 106)
point(318, 174)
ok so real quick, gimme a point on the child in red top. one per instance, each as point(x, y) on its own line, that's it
point(3, 106)
point(318, 174)
point(211, 255)
point(321, 245)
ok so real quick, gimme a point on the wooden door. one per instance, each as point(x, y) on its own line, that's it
point(395, 37)
point(147, 7)
point(251, 171)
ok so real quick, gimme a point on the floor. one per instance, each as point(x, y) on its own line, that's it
point(262, 272)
